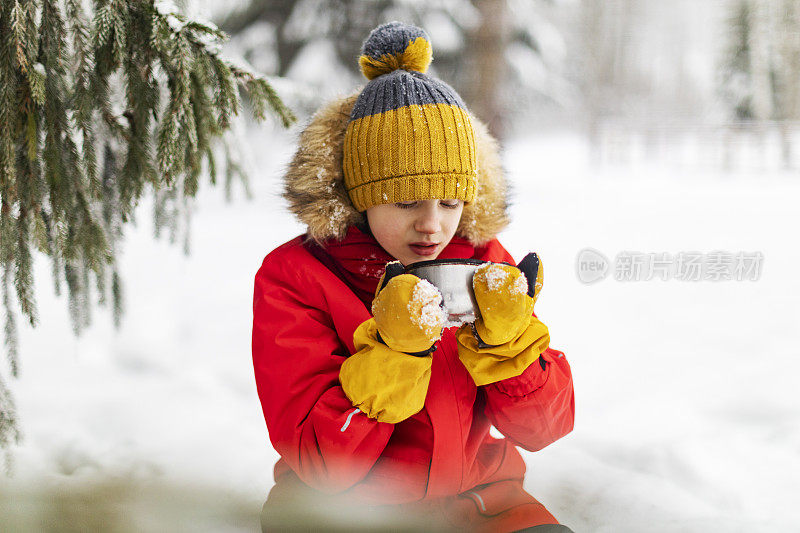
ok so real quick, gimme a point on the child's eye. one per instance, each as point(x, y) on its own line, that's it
point(405, 205)
point(451, 204)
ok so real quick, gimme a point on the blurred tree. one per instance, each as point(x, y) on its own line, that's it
point(737, 69)
point(787, 73)
point(642, 68)
point(762, 63)
point(747, 84)
point(94, 114)
point(609, 77)
point(488, 42)
point(761, 67)
point(497, 54)
point(342, 22)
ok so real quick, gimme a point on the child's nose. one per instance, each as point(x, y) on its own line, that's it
point(428, 222)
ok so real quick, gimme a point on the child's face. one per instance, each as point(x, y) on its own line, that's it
point(415, 231)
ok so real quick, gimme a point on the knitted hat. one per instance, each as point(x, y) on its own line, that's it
point(410, 136)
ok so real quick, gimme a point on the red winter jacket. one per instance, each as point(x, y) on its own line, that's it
point(305, 314)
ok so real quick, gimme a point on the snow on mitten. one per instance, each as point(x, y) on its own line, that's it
point(409, 314)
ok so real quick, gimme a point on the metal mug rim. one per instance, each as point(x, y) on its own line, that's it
point(448, 261)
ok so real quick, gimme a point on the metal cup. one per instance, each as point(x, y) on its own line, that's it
point(453, 278)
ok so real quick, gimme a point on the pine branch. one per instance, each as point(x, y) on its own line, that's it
point(9, 428)
point(263, 96)
point(97, 111)
point(10, 323)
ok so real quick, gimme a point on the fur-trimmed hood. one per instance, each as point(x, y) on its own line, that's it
point(314, 181)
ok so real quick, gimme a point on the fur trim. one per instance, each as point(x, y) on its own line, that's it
point(314, 181)
point(486, 216)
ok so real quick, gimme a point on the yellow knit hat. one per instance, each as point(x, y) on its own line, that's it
point(410, 136)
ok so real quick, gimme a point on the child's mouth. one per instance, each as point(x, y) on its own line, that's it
point(424, 249)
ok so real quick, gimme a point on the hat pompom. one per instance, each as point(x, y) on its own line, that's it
point(393, 46)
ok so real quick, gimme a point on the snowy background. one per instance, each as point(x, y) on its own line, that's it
point(686, 397)
point(687, 405)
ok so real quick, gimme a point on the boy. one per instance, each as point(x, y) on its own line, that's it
point(366, 396)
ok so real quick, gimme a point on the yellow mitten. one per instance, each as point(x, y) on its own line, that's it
point(408, 313)
point(506, 338)
point(501, 292)
point(384, 378)
point(385, 384)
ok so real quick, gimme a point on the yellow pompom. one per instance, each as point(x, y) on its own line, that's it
point(416, 56)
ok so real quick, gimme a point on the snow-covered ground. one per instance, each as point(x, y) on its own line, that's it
point(687, 408)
